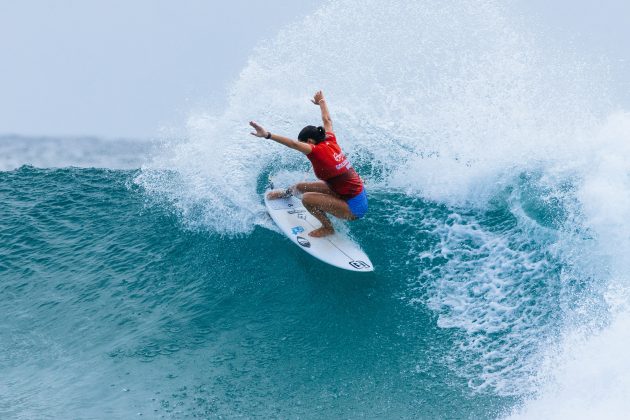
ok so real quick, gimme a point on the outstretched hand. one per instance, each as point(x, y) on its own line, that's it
point(319, 96)
point(260, 131)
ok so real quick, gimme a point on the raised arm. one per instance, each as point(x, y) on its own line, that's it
point(318, 99)
point(293, 144)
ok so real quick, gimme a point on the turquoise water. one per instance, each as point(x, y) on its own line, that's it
point(498, 173)
point(113, 308)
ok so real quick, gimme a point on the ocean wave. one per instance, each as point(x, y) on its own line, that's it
point(498, 167)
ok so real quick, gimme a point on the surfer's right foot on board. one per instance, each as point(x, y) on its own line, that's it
point(321, 232)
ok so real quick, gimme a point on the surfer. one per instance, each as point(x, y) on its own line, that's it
point(340, 191)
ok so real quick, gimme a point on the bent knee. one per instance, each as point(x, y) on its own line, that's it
point(309, 199)
point(300, 187)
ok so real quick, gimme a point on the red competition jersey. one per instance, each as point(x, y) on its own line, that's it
point(331, 165)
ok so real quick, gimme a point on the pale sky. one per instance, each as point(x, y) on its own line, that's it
point(120, 68)
point(124, 68)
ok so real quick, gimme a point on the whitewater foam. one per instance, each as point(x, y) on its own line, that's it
point(586, 374)
point(443, 99)
point(589, 378)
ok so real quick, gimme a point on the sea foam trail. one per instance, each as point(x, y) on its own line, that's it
point(455, 103)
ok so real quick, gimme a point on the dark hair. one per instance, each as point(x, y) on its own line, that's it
point(318, 134)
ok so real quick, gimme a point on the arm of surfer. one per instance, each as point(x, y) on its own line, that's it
point(293, 144)
point(318, 99)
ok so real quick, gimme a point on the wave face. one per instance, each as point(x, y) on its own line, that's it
point(114, 308)
point(499, 179)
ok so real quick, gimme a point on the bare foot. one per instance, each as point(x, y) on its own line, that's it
point(321, 232)
point(274, 195)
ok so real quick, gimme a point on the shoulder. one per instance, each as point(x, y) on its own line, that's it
point(317, 148)
point(330, 136)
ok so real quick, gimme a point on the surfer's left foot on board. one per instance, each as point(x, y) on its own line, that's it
point(274, 195)
point(321, 232)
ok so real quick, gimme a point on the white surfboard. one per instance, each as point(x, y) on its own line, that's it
point(296, 222)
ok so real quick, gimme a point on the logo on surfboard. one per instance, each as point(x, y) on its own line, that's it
point(297, 229)
point(359, 265)
point(304, 242)
point(294, 211)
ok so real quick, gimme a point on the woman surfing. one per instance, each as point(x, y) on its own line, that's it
point(340, 191)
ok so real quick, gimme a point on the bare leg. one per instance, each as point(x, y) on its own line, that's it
point(318, 204)
point(303, 187)
point(316, 187)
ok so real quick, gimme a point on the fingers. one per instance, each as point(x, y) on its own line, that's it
point(260, 132)
point(319, 95)
point(258, 127)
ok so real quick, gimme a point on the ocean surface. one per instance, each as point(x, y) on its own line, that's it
point(145, 279)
